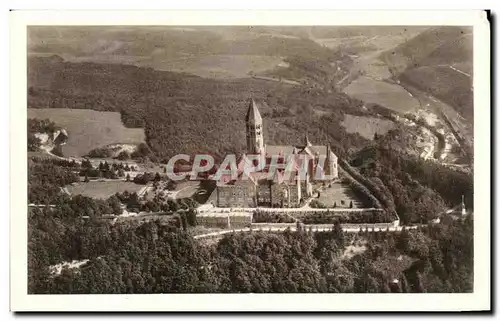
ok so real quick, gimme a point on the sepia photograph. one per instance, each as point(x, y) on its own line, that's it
point(252, 159)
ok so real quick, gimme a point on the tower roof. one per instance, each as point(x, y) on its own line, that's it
point(306, 141)
point(253, 114)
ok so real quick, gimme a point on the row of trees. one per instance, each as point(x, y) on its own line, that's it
point(156, 258)
point(347, 217)
point(270, 217)
point(155, 204)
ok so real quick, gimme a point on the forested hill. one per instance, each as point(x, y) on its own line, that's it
point(435, 46)
point(187, 114)
point(137, 44)
point(438, 61)
point(156, 258)
point(417, 189)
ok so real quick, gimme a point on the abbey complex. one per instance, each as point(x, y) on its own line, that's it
point(279, 189)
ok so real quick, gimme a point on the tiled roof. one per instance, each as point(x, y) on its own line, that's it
point(253, 114)
point(286, 150)
point(283, 150)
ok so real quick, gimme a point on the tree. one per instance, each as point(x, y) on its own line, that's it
point(57, 151)
point(123, 155)
point(172, 205)
point(184, 220)
point(33, 143)
point(338, 234)
point(86, 164)
point(133, 201)
point(191, 217)
point(171, 185)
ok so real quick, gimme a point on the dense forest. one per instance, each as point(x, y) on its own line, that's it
point(159, 258)
point(167, 105)
point(46, 177)
point(418, 189)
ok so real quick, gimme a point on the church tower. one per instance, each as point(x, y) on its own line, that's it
point(306, 141)
point(331, 163)
point(255, 138)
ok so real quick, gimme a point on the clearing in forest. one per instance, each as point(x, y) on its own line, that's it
point(103, 190)
point(367, 127)
point(382, 93)
point(89, 129)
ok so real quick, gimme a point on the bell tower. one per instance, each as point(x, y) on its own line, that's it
point(255, 138)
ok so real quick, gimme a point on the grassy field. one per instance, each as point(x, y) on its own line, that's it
point(447, 84)
point(103, 190)
point(222, 66)
point(210, 52)
point(365, 46)
point(88, 129)
point(186, 189)
point(218, 66)
point(388, 95)
point(337, 193)
point(366, 126)
point(359, 44)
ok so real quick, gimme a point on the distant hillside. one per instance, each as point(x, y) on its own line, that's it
point(435, 46)
point(198, 50)
point(363, 31)
point(446, 84)
point(438, 61)
point(187, 114)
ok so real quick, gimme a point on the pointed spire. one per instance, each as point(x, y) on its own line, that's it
point(253, 114)
point(307, 142)
point(328, 151)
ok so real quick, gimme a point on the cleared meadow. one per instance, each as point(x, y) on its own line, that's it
point(382, 93)
point(366, 126)
point(89, 129)
point(218, 66)
point(103, 190)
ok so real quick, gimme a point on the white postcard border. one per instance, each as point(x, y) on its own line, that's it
point(21, 301)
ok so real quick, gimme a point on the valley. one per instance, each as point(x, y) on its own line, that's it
point(106, 217)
